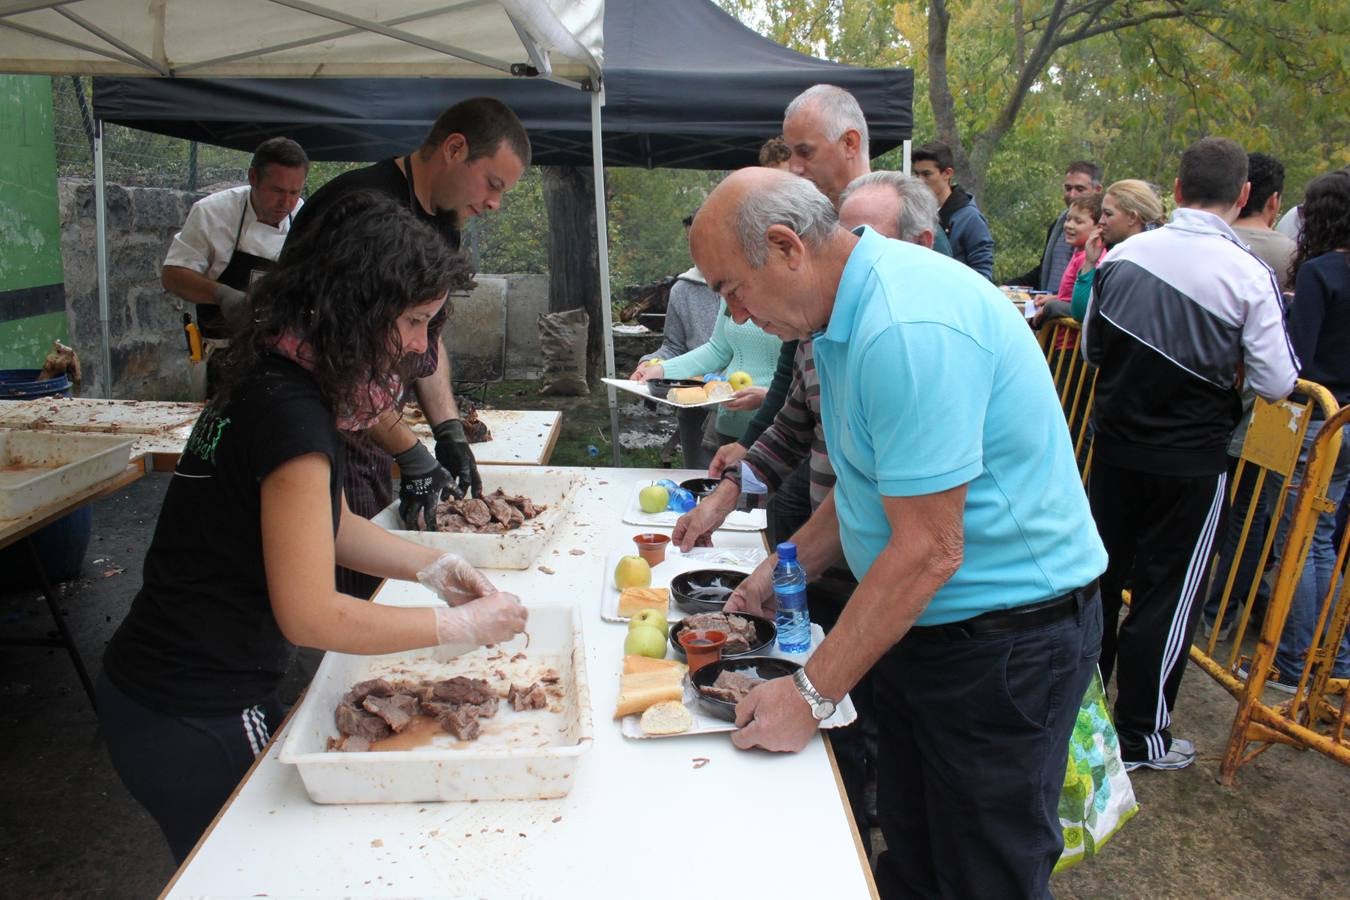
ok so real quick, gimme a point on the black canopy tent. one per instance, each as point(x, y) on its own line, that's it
point(686, 86)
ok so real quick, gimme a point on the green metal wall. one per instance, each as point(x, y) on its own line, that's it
point(32, 291)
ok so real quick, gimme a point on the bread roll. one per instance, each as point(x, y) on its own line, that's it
point(667, 717)
point(687, 395)
point(641, 690)
point(633, 599)
point(634, 663)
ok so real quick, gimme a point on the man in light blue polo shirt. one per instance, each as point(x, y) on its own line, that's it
point(958, 506)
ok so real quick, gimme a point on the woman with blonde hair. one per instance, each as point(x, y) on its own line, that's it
point(1129, 207)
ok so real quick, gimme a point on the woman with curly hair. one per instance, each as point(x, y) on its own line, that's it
point(241, 567)
point(1319, 328)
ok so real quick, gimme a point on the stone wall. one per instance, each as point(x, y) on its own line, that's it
point(149, 359)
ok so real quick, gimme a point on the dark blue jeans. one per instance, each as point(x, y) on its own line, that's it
point(182, 769)
point(974, 742)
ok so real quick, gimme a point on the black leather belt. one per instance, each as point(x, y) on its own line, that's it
point(1011, 621)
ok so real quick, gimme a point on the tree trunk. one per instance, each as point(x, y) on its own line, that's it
point(573, 259)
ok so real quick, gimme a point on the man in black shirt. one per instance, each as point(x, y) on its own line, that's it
point(476, 151)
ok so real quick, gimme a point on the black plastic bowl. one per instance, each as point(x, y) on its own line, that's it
point(701, 487)
point(766, 632)
point(701, 590)
point(765, 667)
point(659, 387)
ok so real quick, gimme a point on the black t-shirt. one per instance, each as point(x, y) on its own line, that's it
point(201, 638)
point(383, 177)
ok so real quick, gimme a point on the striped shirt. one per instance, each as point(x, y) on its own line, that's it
point(795, 434)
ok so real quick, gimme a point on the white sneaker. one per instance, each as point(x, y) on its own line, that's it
point(1180, 755)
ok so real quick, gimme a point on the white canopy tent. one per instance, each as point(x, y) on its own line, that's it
point(557, 40)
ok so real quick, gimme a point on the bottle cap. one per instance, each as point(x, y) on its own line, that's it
point(787, 551)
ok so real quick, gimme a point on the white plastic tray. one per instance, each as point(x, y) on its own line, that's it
point(642, 390)
point(518, 549)
point(747, 546)
point(844, 711)
point(38, 468)
point(526, 755)
point(752, 520)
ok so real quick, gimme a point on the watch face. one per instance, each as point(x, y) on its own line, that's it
point(824, 709)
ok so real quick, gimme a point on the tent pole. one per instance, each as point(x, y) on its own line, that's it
point(602, 246)
point(101, 257)
point(908, 145)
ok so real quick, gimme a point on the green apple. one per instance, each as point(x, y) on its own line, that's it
point(739, 380)
point(644, 640)
point(652, 618)
point(653, 498)
point(631, 572)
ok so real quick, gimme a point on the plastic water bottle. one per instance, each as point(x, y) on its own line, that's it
point(789, 586)
point(681, 500)
point(668, 484)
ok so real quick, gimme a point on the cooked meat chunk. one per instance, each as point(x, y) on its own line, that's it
point(732, 686)
point(451, 522)
point(353, 721)
point(460, 721)
point(532, 697)
point(476, 511)
point(363, 689)
point(461, 690)
point(500, 509)
point(397, 710)
point(740, 631)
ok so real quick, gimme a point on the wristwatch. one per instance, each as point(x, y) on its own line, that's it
point(821, 707)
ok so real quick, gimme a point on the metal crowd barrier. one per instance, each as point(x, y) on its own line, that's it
point(1075, 382)
point(1315, 715)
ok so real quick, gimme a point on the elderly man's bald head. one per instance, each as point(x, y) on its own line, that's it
point(762, 240)
point(748, 202)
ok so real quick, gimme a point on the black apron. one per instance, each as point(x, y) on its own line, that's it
point(239, 273)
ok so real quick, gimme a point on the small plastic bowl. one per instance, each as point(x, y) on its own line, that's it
point(702, 647)
point(687, 587)
point(766, 667)
point(651, 546)
point(701, 487)
point(660, 387)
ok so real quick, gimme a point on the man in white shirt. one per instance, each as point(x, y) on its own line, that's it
point(232, 237)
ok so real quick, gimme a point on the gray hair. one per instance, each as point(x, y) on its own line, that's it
point(918, 204)
point(794, 202)
point(839, 111)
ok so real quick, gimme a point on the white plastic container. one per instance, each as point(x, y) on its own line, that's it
point(519, 756)
point(39, 468)
point(517, 549)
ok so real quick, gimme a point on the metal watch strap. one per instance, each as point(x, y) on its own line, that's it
point(813, 697)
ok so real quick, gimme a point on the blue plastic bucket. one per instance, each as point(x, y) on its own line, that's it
point(24, 384)
point(61, 545)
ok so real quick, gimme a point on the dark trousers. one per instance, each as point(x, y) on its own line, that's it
point(182, 769)
point(974, 743)
point(689, 425)
point(1251, 551)
point(791, 505)
point(1159, 533)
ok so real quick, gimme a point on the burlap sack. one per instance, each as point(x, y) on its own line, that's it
point(562, 344)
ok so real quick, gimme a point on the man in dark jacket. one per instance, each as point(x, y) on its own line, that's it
point(1081, 178)
point(958, 215)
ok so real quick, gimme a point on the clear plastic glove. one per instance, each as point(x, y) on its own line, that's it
point(492, 619)
point(454, 580)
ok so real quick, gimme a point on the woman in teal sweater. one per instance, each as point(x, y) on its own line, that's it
point(733, 348)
